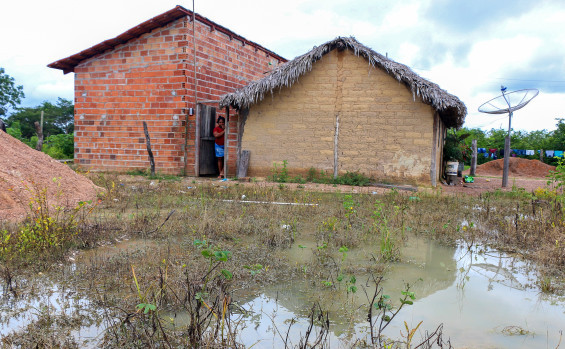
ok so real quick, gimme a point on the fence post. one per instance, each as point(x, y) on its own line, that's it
point(474, 157)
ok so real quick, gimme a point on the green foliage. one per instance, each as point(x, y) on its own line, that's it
point(15, 130)
point(281, 175)
point(57, 127)
point(557, 177)
point(536, 140)
point(10, 94)
point(214, 257)
point(352, 178)
point(388, 244)
point(349, 206)
point(48, 227)
point(59, 146)
point(57, 118)
point(455, 149)
point(254, 269)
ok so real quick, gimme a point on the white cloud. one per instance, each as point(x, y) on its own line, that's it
point(472, 64)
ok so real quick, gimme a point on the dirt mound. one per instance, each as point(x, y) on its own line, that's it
point(24, 170)
point(517, 167)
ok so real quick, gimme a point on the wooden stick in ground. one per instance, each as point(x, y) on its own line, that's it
point(39, 132)
point(148, 141)
point(474, 157)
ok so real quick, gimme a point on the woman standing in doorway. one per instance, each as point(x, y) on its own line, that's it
point(219, 132)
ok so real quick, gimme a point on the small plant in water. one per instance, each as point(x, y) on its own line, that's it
point(388, 244)
point(254, 269)
point(214, 257)
point(349, 206)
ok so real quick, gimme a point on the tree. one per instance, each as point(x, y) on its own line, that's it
point(58, 118)
point(10, 94)
point(537, 140)
point(557, 139)
point(474, 133)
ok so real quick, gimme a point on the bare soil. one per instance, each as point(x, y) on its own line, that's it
point(523, 173)
point(25, 171)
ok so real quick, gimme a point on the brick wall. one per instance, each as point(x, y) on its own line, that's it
point(152, 78)
point(383, 132)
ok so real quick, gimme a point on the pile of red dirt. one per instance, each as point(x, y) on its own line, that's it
point(517, 167)
point(25, 171)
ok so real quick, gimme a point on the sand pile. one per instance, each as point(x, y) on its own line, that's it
point(23, 169)
point(517, 167)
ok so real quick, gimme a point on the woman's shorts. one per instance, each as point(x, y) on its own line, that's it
point(219, 150)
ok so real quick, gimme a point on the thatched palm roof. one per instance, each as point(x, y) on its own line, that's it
point(450, 108)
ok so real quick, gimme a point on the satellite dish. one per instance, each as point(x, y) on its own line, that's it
point(508, 103)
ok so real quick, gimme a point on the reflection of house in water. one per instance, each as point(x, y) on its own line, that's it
point(433, 263)
point(427, 266)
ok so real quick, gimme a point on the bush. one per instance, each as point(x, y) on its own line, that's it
point(60, 146)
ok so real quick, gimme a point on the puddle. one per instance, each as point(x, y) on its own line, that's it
point(479, 295)
point(49, 302)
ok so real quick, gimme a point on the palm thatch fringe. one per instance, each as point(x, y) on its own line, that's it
point(450, 108)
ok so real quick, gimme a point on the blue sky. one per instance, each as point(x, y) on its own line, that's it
point(469, 48)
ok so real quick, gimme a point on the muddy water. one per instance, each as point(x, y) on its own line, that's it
point(485, 299)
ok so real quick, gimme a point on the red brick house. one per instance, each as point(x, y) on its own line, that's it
point(169, 72)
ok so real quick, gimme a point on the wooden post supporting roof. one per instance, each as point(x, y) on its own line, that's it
point(435, 145)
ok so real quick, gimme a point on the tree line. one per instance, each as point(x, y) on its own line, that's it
point(534, 140)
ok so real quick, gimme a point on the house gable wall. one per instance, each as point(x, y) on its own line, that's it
point(152, 79)
point(383, 132)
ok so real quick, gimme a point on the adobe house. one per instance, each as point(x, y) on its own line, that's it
point(344, 107)
point(169, 72)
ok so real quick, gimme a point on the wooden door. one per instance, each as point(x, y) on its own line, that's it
point(208, 165)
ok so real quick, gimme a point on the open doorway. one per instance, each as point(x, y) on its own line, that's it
point(208, 165)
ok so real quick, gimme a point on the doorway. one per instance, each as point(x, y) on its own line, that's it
point(208, 165)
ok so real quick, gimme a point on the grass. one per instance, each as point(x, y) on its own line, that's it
point(179, 262)
point(158, 176)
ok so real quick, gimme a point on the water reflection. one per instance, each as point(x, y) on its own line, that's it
point(476, 293)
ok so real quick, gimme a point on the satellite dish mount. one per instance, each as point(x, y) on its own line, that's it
point(508, 103)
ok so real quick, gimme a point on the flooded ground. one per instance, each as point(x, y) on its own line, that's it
point(484, 298)
point(149, 277)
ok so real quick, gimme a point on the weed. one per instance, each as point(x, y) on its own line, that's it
point(254, 269)
point(279, 175)
point(546, 284)
point(353, 178)
point(215, 258)
point(557, 177)
point(49, 227)
point(349, 206)
point(388, 244)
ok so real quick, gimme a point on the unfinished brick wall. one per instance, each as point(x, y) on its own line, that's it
point(152, 78)
point(382, 131)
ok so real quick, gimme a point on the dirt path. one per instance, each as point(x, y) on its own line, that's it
point(484, 184)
